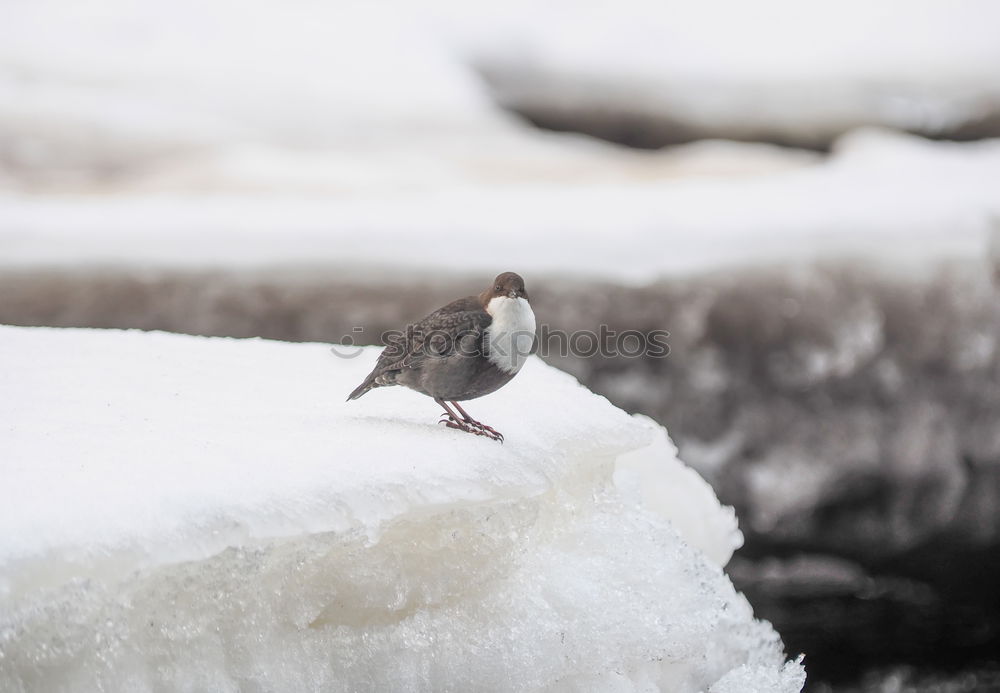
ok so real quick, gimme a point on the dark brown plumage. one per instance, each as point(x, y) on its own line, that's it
point(457, 352)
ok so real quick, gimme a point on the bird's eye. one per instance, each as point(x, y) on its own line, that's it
point(498, 288)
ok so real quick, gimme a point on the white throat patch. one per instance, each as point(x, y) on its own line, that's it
point(511, 334)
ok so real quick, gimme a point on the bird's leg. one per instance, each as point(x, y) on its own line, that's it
point(468, 420)
point(464, 423)
point(453, 418)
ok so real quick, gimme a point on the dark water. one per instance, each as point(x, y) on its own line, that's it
point(849, 413)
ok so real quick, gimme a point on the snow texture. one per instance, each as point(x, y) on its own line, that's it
point(209, 514)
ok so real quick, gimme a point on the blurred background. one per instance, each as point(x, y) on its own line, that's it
point(805, 195)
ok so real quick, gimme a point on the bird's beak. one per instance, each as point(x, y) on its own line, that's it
point(512, 294)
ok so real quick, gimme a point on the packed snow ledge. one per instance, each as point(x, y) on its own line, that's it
point(209, 514)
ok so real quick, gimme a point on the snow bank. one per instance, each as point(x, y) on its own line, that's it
point(881, 195)
point(203, 73)
point(206, 72)
point(328, 132)
point(208, 514)
point(796, 72)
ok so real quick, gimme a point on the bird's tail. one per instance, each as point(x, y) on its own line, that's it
point(364, 387)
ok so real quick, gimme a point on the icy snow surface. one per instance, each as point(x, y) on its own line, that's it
point(209, 514)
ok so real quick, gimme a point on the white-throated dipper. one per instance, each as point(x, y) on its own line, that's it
point(469, 348)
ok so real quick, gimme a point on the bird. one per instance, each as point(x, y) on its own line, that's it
point(469, 348)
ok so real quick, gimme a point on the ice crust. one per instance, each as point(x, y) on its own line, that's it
point(208, 514)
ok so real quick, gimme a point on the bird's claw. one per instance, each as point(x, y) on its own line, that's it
point(485, 430)
point(471, 426)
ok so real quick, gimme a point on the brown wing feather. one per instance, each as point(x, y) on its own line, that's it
point(410, 349)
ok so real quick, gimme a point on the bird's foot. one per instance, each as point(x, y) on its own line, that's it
point(485, 430)
point(471, 426)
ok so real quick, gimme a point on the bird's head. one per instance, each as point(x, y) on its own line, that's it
point(506, 285)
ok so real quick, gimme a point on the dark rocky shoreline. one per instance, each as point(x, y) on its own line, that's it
point(851, 414)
